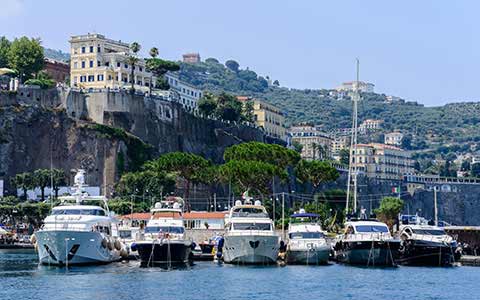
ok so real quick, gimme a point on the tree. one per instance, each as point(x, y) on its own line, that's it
point(256, 151)
point(41, 179)
point(232, 65)
point(190, 167)
point(345, 156)
point(42, 79)
point(23, 181)
point(249, 175)
point(159, 67)
point(297, 146)
point(207, 105)
point(4, 49)
point(152, 183)
point(132, 60)
point(228, 107)
point(389, 209)
point(211, 60)
point(475, 172)
point(315, 172)
point(58, 176)
point(276, 83)
point(247, 112)
point(26, 57)
point(465, 166)
point(153, 54)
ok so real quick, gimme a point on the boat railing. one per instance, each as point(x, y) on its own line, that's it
point(376, 236)
point(252, 232)
point(432, 238)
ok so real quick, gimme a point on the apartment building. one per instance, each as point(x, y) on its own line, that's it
point(58, 70)
point(394, 138)
point(188, 95)
point(99, 62)
point(350, 86)
point(191, 58)
point(316, 144)
point(339, 143)
point(268, 116)
point(370, 125)
point(382, 161)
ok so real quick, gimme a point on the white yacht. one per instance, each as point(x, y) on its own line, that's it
point(366, 242)
point(425, 244)
point(77, 233)
point(306, 240)
point(250, 237)
point(163, 241)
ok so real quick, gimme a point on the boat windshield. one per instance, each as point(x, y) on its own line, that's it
point(164, 229)
point(86, 212)
point(252, 226)
point(250, 212)
point(125, 234)
point(371, 228)
point(429, 231)
point(306, 235)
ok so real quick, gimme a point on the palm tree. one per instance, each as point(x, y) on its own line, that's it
point(132, 60)
point(153, 54)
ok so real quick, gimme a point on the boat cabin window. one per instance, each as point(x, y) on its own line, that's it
point(102, 228)
point(252, 226)
point(371, 228)
point(125, 234)
point(429, 231)
point(86, 212)
point(164, 229)
point(306, 235)
point(251, 212)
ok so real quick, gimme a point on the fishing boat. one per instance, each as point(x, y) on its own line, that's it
point(79, 233)
point(249, 236)
point(306, 240)
point(164, 242)
point(366, 242)
point(425, 244)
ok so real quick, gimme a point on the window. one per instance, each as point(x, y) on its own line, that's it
point(164, 229)
point(83, 78)
point(91, 64)
point(126, 66)
point(74, 79)
point(252, 226)
point(75, 65)
point(91, 49)
point(83, 64)
point(107, 64)
point(98, 63)
point(83, 49)
point(91, 78)
point(109, 77)
point(371, 228)
point(99, 77)
point(99, 49)
point(306, 235)
point(118, 65)
point(141, 69)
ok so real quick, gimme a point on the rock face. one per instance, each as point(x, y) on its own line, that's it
point(39, 127)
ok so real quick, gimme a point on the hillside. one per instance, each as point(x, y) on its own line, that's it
point(56, 54)
point(428, 127)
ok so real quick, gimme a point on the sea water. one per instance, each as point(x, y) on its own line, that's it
point(22, 278)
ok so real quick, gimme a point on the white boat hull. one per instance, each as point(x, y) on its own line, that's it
point(73, 248)
point(251, 249)
point(311, 256)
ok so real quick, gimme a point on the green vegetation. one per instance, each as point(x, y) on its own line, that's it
point(389, 209)
point(23, 55)
point(39, 178)
point(160, 67)
point(42, 79)
point(316, 173)
point(225, 107)
point(132, 60)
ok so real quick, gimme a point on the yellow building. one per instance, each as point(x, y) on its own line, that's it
point(316, 145)
point(99, 62)
point(268, 116)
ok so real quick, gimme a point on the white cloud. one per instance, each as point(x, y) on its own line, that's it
point(10, 8)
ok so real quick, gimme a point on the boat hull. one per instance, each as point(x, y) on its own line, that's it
point(426, 253)
point(317, 256)
point(251, 249)
point(368, 253)
point(73, 248)
point(164, 252)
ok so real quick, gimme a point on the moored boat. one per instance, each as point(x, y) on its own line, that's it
point(367, 243)
point(306, 240)
point(75, 234)
point(164, 242)
point(249, 237)
point(425, 244)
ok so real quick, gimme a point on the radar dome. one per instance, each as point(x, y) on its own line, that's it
point(302, 211)
point(158, 205)
point(258, 202)
point(176, 205)
point(238, 202)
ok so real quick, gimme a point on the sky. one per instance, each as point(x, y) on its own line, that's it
point(423, 51)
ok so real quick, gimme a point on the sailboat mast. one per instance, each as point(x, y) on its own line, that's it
point(352, 166)
point(355, 105)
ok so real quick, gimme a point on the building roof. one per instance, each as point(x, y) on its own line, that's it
point(194, 215)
